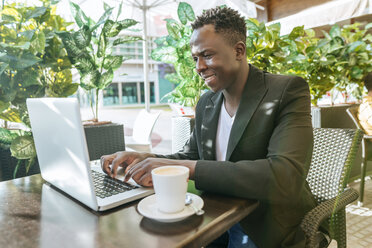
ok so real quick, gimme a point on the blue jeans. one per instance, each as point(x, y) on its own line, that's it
point(238, 238)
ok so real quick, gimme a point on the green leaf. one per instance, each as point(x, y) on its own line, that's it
point(10, 14)
point(11, 115)
point(353, 47)
point(6, 137)
point(297, 32)
point(101, 45)
point(368, 26)
point(110, 29)
point(82, 37)
point(24, 61)
point(70, 90)
point(4, 105)
point(77, 14)
point(165, 54)
point(28, 34)
point(184, 71)
point(185, 12)
point(173, 29)
point(335, 31)
point(106, 6)
point(38, 42)
point(89, 80)
point(310, 33)
point(84, 64)
point(23, 147)
point(33, 13)
point(252, 24)
point(112, 62)
point(172, 77)
point(26, 78)
point(126, 23)
point(126, 39)
point(3, 66)
point(119, 10)
point(106, 79)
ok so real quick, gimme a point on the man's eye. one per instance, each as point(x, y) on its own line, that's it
point(195, 59)
point(208, 56)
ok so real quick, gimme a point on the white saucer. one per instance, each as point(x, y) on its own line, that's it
point(148, 208)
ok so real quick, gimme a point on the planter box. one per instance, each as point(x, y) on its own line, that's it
point(8, 164)
point(181, 130)
point(104, 139)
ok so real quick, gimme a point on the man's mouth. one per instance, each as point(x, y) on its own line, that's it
point(208, 78)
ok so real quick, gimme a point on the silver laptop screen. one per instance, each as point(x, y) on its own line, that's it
point(61, 147)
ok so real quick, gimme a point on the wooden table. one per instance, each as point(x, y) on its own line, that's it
point(32, 214)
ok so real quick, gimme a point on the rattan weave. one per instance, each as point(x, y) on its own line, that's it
point(333, 155)
point(104, 139)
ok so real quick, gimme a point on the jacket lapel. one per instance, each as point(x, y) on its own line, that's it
point(254, 91)
point(209, 126)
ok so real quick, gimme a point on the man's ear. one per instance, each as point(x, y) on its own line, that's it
point(240, 50)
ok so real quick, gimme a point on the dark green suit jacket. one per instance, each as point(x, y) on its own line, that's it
point(268, 155)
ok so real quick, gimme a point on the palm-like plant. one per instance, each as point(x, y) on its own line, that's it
point(90, 49)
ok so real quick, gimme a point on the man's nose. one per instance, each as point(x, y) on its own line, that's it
point(200, 65)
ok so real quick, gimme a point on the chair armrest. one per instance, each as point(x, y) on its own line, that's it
point(312, 220)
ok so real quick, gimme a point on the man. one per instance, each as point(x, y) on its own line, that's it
point(252, 136)
point(365, 109)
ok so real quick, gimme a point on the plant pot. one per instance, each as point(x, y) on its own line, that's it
point(9, 163)
point(104, 139)
point(181, 130)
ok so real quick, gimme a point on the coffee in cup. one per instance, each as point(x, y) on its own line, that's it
point(170, 185)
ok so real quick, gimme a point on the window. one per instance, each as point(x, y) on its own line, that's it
point(110, 95)
point(129, 93)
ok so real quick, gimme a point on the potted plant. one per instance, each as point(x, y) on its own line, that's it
point(90, 51)
point(33, 63)
point(174, 49)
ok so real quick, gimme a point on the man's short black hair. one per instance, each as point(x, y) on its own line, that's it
point(368, 81)
point(226, 21)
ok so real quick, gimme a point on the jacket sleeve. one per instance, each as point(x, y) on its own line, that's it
point(280, 176)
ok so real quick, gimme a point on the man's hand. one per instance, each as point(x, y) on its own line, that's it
point(122, 159)
point(141, 171)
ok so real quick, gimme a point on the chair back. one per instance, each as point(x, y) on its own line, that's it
point(353, 113)
point(143, 126)
point(333, 155)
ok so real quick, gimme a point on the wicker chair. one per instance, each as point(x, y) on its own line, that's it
point(353, 113)
point(333, 154)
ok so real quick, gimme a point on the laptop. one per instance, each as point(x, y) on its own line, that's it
point(64, 160)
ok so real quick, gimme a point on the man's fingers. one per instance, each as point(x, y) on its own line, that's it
point(134, 162)
point(115, 164)
point(136, 175)
point(145, 180)
point(105, 164)
point(130, 170)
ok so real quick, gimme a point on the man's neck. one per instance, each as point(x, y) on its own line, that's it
point(234, 93)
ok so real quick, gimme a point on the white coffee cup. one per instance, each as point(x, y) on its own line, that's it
point(170, 185)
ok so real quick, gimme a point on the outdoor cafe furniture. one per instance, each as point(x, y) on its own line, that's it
point(333, 155)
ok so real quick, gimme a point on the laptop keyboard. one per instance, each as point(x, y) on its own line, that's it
point(106, 186)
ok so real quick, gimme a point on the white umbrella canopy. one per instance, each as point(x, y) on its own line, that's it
point(151, 14)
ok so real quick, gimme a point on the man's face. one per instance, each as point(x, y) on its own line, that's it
point(216, 60)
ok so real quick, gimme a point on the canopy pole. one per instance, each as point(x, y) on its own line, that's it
point(145, 56)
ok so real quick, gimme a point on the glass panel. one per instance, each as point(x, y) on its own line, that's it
point(110, 95)
point(152, 92)
point(129, 93)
